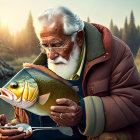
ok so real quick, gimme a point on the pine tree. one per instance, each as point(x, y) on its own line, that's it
point(132, 35)
point(114, 29)
point(26, 41)
point(120, 32)
point(31, 38)
point(6, 44)
point(20, 44)
point(88, 19)
point(111, 27)
point(125, 31)
point(138, 33)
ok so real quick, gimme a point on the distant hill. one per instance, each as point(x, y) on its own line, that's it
point(6, 71)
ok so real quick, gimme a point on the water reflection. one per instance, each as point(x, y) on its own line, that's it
point(6, 108)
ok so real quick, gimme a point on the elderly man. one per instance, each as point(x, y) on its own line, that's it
point(101, 65)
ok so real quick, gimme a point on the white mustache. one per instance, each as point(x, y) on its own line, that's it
point(58, 59)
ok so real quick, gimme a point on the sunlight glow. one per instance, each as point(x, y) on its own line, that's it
point(14, 13)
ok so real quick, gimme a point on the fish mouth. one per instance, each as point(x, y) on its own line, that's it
point(6, 94)
point(11, 98)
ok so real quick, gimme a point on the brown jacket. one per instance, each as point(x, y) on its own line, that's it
point(112, 76)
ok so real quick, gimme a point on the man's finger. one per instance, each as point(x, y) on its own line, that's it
point(64, 101)
point(2, 123)
point(2, 116)
point(67, 116)
point(62, 122)
point(58, 120)
point(3, 119)
point(27, 65)
point(28, 133)
point(39, 67)
point(9, 124)
point(10, 132)
point(16, 137)
point(63, 109)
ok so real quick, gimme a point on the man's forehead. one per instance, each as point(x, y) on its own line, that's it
point(53, 28)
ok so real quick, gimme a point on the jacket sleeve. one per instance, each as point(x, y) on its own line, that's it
point(20, 116)
point(122, 107)
point(93, 120)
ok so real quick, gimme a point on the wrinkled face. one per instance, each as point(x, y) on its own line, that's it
point(53, 34)
point(22, 93)
point(62, 50)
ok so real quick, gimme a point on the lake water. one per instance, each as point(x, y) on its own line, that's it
point(6, 108)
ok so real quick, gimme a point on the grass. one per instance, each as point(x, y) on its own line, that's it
point(17, 64)
point(137, 62)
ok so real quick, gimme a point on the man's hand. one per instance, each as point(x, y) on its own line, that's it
point(11, 134)
point(67, 113)
point(3, 120)
point(14, 134)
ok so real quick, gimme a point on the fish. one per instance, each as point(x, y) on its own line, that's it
point(36, 91)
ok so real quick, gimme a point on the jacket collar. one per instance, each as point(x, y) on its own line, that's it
point(94, 43)
point(108, 42)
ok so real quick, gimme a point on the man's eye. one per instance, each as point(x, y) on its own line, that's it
point(56, 45)
point(44, 45)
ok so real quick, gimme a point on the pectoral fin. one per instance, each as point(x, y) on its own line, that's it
point(43, 98)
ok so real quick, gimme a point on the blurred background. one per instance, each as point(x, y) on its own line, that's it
point(19, 27)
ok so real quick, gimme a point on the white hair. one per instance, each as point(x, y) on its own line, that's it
point(71, 21)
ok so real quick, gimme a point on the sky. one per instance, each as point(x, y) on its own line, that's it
point(14, 13)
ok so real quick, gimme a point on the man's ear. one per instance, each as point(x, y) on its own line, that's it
point(80, 37)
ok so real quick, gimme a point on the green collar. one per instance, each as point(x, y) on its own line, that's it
point(94, 45)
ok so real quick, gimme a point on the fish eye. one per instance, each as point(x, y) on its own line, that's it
point(14, 84)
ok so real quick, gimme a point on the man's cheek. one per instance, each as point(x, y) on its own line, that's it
point(66, 53)
point(66, 57)
point(48, 54)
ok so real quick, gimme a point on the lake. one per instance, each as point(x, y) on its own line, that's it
point(6, 108)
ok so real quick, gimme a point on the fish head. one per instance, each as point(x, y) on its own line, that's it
point(21, 91)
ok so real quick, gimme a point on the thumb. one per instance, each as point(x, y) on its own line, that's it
point(39, 67)
point(25, 65)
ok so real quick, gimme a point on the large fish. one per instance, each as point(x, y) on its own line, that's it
point(35, 91)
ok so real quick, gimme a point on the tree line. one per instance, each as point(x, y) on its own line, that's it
point(130, 34)
point(23, 43)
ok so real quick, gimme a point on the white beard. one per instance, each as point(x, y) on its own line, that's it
point(69, 67)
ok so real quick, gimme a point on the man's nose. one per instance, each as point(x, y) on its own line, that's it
point(52, 54)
